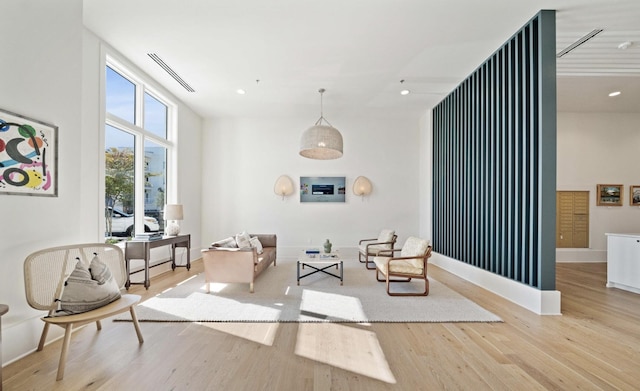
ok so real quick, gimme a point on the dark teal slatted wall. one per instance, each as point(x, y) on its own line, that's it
point(494, 161)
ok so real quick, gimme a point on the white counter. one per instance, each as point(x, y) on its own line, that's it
point(623, 261)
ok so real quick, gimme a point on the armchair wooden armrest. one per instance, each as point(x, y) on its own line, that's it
point(371, 247)
point(383, 253)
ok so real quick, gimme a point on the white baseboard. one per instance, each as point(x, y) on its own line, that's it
point(535, 300)
point(580, 255)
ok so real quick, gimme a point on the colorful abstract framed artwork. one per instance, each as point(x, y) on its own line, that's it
point(609, 195)
point(28, 156)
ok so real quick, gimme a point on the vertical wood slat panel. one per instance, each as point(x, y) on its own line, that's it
point(487, 165)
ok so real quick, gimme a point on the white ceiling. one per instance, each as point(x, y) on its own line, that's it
point(360, 50)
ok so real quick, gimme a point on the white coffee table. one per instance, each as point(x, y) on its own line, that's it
point(320, 263)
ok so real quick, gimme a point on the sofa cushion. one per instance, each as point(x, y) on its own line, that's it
point(243, 239)
point(229, 242)
point(255, 243)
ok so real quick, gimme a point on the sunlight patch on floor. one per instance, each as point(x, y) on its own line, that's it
point(345, 347)
point(262, 333)
point(324, 305)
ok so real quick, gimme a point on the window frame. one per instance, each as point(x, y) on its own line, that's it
point(143, 84)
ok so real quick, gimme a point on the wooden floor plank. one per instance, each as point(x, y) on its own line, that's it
point(594, 345)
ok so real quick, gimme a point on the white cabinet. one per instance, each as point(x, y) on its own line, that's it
point(623, 261)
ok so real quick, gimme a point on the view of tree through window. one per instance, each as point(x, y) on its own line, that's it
point(125, 133)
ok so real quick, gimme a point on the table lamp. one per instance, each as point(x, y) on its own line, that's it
point(172, 213)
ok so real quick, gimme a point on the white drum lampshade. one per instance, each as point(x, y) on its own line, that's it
point(321, 142)
point(172, 214)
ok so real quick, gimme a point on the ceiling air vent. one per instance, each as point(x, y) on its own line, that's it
point(579, 42)
point(170, 71)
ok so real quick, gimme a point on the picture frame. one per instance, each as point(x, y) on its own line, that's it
point(322, 189)
point(634, 195)
point(609, 195)
point(28, 156)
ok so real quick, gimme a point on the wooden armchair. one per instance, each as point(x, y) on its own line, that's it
point(45, 273)
point(411, 263)
point(370, 247)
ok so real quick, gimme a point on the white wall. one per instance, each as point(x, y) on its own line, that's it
point(243, 158)
point(42, 80)
point(599, 148)
point(53, 75)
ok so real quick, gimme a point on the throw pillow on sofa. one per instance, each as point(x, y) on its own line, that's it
point(255, 242)
point(229, 242)
point(243, 239)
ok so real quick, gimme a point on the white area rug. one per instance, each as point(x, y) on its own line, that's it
point(319, 298)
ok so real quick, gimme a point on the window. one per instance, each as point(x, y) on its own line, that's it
point(137, 146)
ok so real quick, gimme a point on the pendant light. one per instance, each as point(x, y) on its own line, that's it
point(322, 142)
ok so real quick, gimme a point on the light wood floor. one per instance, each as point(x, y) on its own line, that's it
point(594, 345)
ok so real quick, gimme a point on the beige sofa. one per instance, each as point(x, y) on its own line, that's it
point(229, 265)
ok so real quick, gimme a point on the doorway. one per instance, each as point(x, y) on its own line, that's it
point(572, 219)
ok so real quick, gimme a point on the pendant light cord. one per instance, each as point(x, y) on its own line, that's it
point(319, 121)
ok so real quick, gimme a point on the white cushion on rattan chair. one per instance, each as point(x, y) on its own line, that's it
point(88, 289)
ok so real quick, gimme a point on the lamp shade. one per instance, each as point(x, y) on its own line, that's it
point(321, 142)
point(283, 186)
point(362, 186)
point(173, 212)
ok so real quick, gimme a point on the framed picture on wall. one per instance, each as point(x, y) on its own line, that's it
point(28, 156)
point(609, 195)
point(634, 195)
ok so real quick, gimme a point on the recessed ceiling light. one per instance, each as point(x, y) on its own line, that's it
point(615, 93)
point(625, 45)
point(404, 92)
point(241, 91)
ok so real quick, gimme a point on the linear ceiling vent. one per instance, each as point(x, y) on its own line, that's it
point(579, 42)
point(170, 71)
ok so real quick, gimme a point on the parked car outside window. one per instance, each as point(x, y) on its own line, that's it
point(122, 223)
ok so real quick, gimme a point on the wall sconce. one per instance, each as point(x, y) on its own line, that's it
point(173, 213)
point(283, 186)
point(362, 186)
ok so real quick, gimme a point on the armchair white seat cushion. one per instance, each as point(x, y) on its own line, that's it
point(400, 266)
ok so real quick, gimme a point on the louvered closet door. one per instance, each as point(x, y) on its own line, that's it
point(572, 221)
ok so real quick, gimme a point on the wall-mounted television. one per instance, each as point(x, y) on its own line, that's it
point(322, 189)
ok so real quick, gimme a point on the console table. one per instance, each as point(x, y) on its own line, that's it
point(141, 249)
point(3, 310)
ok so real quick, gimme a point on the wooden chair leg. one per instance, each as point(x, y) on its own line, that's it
point(368, 262)
point(425, 293)
point(98, 325)
point(43, 336)
point(65, 349)
point(134, 318)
